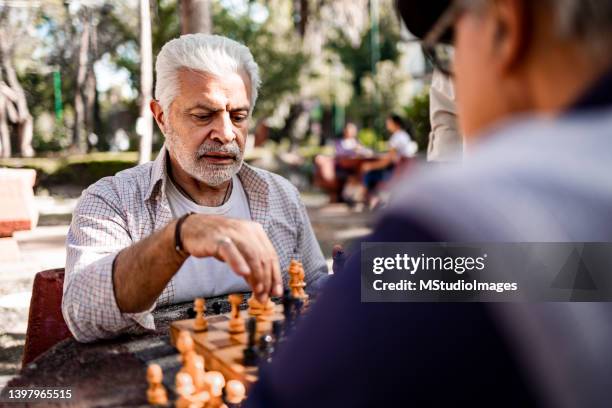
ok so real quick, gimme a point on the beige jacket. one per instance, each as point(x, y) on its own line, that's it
point(445, 141)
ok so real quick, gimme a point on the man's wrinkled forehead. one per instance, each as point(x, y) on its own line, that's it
point(199, 87)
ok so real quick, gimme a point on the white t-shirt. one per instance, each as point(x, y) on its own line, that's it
point(400, 142)
point(206, 277)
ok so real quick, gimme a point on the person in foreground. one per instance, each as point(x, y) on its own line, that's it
point(196, 222)
point(534, 95)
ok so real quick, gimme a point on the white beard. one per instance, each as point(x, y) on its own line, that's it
point(197, 167)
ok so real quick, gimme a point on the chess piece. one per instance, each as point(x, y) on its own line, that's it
point(184, 344)
point(266, 348)
point(156, 393)
point(250, 352)
point(200, 323)
point(216, 307)
point(215, 382)
point(277, 332)
point(255, 307)
point(294, 278)
point(299, 304)
point(302, 284)
point(193, 364)
point(236, 323)
point(268, 308)
point(288, 302)
point(187, 395)
point(184, 384)
point(235, 393)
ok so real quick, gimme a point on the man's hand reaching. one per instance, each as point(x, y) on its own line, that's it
point(243, 245)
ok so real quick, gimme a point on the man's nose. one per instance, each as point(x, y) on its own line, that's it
point(224, 130)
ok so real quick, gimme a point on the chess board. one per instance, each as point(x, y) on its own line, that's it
point(222, 350)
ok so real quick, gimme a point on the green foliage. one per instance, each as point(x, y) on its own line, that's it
point(338, 79)
point(368, 137)
point(280, 65)
point(417, 112)
point(86, 172)
point(359, 60)
point(366, 109)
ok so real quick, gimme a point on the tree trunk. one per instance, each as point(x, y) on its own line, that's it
point(146, 83)
point(195, 16)
point(78, 136)
point(5, 135)
point(23, 119)
point(90, 102)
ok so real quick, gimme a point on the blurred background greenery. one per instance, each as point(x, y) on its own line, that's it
point(70, 83)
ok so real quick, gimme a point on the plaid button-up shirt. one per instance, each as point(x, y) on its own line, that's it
point(118, 211)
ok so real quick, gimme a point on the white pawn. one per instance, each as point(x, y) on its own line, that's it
point(200, 323)
point(156, 393)
point(214, 384)
point(234, 392)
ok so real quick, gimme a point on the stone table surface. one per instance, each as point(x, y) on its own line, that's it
point(110, 373)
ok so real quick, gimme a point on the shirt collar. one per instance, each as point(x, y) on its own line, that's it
point(158, 174)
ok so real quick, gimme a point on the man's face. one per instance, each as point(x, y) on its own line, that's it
point(207, 125)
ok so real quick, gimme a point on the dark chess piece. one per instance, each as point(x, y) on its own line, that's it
point(277, 331)
point(191, 313)
point(266, 348)
point(299, 305)
point(288, 302)
point(250, 355)
point(216, 307)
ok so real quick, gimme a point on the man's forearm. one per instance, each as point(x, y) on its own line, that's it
point(142, 271)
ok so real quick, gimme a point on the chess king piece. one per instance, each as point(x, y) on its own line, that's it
point(156, 393)
point(187, 395)
point(235, 393)
point(236, 323)
point(200, 324)
point(215, 382)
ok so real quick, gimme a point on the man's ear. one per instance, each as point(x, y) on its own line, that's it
point(512, 31)
point(158, 114)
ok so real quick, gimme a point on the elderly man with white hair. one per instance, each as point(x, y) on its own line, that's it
point(196, 222)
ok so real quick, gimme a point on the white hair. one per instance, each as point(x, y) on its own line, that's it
point(212, 54)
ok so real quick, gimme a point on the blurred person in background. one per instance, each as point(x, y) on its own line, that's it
point(401, 149)
point(534, 100)
point(339, 175)
point(349, 145)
